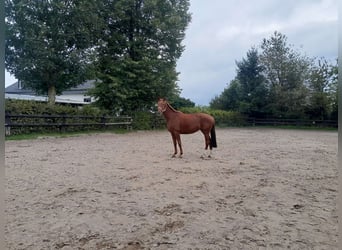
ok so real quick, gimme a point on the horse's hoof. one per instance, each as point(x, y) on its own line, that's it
point(173, 156)
point(180, 156)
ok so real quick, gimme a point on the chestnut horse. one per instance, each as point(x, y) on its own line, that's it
point(180, 123)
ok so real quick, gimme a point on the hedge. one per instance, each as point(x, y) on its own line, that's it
point(141, 120)
point(222, 118)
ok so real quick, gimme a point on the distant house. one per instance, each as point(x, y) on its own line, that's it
point(76, 96)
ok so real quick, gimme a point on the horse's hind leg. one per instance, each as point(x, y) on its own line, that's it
point(207, 142)
point(206, 139)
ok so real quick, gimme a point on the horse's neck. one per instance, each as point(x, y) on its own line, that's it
point(170, 112)
point(172, 108)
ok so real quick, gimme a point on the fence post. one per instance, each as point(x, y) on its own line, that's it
point(103, 121)
point(61, 127)
point(153, 121)
point(7, 124)
point(129, 126)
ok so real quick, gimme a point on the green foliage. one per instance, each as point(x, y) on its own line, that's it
point(147, 120)
point(180, 102)
point(281, 83)
point(229, 99)
point(32, 107)
point(21, 107)
point(286, 72)
point(228, 118)
point(247, 93)
point(138, 54)
point(222, 118)
point(322, 90)
point(253, 91)
point(45, 49)
point(141, 120)
point(334, 92)
point(131, 46)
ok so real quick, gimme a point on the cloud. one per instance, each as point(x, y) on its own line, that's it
point(222, 32)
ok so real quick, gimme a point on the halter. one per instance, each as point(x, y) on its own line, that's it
point(164, 109)
point(167, 105)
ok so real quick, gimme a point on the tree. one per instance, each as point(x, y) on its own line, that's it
point(280, 82)
point(140, 45)
point(49, 43)
point(323, 87)
point(319, 86)
point(229, 99)
point(181, 102)
point(286, 72)
point(253, 92)
point(334, 91)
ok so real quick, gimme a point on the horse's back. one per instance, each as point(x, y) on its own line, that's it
point(206, 120)
point(206, 117)
point(202, 121)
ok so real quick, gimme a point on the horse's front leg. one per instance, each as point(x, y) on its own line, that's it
point(180, 145)
point(174, 139)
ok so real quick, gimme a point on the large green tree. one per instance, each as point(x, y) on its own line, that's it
point(138, 51)
point(323, 89)
point(253, 92)
point(274, 82)
point(334, 90)
point(286, 72)
point(319, 86)
point(247, 93)
point(181, 102)
point(49, 44)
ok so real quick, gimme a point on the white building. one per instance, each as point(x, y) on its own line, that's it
point(77, 95)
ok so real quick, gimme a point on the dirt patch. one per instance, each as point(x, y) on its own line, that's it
point(262, 189)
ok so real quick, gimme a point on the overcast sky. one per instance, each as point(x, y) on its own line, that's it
point(222, 31)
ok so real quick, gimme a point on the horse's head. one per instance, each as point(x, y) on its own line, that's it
point(162, 105)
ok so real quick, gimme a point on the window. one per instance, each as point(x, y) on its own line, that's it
point(87, 99)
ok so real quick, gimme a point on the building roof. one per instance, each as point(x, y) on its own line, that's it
point(16, 88)
point(59, 99)
point(15, 91)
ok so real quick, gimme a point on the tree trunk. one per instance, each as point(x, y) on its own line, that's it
point(52, 95)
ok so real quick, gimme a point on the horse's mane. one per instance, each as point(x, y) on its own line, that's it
point(172, 108)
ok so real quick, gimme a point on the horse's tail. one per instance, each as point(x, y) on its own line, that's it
point(213, 143)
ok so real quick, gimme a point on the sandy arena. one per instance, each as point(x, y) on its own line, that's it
point(263, 189)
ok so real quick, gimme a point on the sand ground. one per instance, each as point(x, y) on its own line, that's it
point(262, 189)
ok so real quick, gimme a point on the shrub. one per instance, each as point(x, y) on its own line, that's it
point(32, 107)
point(24, 107)
point(147, 120)
point(222, 118)
point(141, 120)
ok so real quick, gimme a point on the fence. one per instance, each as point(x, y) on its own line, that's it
point(20, 123)
point(292, 122)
